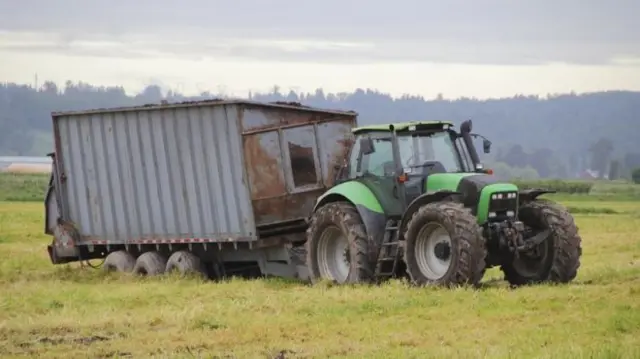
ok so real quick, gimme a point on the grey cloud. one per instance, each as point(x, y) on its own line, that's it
point(489, 31)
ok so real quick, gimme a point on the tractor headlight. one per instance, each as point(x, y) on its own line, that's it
point(498, 196)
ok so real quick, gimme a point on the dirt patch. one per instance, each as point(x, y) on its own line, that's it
point(66, 339)
point(115, 354)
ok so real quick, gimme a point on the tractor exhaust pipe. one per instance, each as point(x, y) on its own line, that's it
point(465, 131)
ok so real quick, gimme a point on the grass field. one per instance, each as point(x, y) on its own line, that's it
point(72, 312)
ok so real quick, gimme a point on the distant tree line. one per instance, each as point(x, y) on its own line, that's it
point(556, 136)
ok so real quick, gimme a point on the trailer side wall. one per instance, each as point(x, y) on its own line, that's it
point(154, 174)
point(213, 171)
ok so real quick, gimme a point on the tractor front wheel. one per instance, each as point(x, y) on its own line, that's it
point(557, 259)
point(444, 246)
point(337, 245)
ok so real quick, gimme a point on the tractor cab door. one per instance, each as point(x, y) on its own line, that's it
point(371, 163)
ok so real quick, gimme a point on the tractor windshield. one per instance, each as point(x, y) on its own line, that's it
point(417, 150)
point(429, 149)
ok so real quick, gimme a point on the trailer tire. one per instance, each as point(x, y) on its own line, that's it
point(119, 261)
point(185, 263)
point(349, 240)
point(150, 263)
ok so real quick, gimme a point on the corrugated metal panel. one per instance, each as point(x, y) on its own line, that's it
point(155, 173)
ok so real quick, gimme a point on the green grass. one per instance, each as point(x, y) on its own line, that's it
point(32, 187)
point(23, 187)
point(72, 312)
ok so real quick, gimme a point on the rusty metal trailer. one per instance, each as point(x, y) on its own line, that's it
point(227, 183)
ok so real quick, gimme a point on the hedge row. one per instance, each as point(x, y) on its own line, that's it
point(560, 186)
point(32, 187)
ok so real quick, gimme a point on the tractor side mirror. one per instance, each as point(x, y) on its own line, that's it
point(486, 145)
point(366, 146)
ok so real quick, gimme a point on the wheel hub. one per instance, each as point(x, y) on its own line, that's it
point(333, 255)
point(345, 256)
point(442, 251)
point(433, 251)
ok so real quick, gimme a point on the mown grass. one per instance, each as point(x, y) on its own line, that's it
point(73, 312)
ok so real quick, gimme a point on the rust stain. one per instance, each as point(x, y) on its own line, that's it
point(278, 118)
point(264, 171)
point(338, 160)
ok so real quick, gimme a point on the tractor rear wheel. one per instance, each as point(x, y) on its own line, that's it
point(337, 245)
point(444, 246)
point(557, 259)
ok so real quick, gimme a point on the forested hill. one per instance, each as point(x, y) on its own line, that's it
point(558, 136)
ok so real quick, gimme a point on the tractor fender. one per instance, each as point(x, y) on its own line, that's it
point(426, 198)
point(527, 195)
point(368, 207)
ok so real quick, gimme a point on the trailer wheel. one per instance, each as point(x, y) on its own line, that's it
point(150, 263)
point(337, 245)
point(119, 261)
point(185, 263)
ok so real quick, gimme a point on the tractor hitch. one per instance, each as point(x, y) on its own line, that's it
point(531, 242)
point(513, 235)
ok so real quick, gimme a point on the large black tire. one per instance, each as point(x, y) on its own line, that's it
point(150, 264)
point(185, 263)
point(343, 220)
point(119, 261)
point(465, 261)
point(560, 253)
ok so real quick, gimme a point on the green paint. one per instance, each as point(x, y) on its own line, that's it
point(401, 126)
point(383, 190)
point(357, 193)
point(485, 196)
point(447, 181)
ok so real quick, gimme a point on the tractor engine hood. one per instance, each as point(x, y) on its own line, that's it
point(477, 191)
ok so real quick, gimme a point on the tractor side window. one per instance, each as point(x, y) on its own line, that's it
point(445, 152)
point(379, 163)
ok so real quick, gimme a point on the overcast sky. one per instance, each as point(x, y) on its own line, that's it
point(481, 48)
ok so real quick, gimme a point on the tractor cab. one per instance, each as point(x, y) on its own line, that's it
point(407, 154)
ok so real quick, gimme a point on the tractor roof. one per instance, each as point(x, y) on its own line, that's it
point(403, 126)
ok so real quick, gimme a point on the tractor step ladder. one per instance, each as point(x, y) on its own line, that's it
point(389, 253)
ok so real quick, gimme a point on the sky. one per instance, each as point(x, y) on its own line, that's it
point(472, 48)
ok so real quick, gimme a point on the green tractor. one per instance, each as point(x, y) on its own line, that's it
point(413, 199)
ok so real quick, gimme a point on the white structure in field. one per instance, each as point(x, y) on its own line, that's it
point(25, 164)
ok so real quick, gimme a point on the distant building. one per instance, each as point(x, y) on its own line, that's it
point(591, 174)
